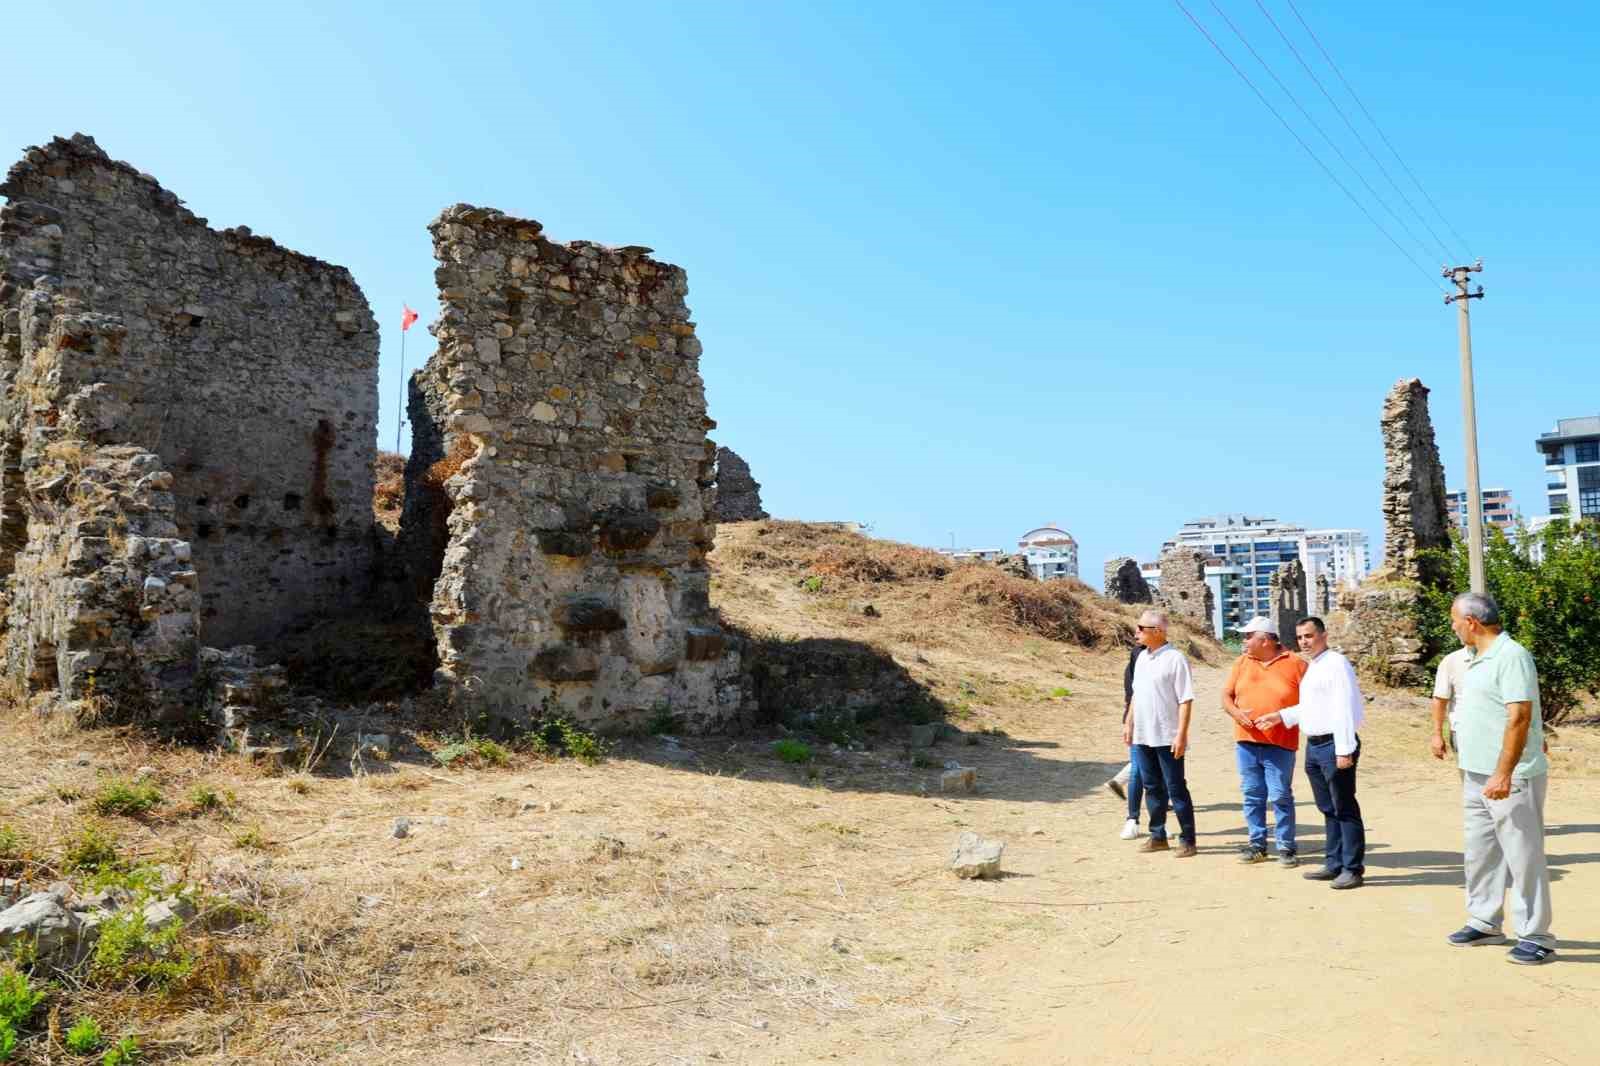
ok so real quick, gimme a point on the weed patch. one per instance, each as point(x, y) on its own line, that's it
point(130, 799)
point(792, 751)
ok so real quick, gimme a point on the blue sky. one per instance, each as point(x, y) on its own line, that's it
point(959, 269)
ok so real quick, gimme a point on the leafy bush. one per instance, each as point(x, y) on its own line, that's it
point(85, 1037)
point(127, 798)
point(1548, 607)
point(792, 751)
point(558, 736)
point(125, 1053)
point(131, 954)
point(91, 851)
point(475, 751)
point(18, 1000)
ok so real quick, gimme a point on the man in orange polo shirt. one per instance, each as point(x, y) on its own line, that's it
point(1265, 678)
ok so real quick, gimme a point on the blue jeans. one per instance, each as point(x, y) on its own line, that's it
point(1135, 787)
point(1163, 783)
point(1266, 772)
point(1335, 792)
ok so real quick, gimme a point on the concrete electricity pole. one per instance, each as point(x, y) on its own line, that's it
point(1469, 418)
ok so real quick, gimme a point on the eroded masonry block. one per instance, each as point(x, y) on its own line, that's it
point(1184, 592)
point(738, 493)
point(1415, 517)
point(558, 478)
point(181, 406)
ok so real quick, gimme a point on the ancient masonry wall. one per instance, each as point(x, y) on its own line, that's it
point(1124, 583)
point(1289, 599)
point(1184, 592)
point(573, 576)
point(232, 384)
point(738, 494)
point(1414, 513)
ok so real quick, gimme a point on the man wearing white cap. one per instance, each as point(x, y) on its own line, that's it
point(1265, 678)
point(1158, 730)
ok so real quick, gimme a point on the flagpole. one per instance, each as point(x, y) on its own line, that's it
point(400, 401)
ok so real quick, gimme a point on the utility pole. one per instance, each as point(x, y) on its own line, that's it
point(1469, 417)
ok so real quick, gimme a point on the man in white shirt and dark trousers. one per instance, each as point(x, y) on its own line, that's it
point(1329, 713)
point(1158, 730)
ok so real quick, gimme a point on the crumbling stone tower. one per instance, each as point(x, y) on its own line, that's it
point(738, 493)
point(1123, 581)
point(569, 538)
point(1184, 592)
point(1289, 597)
point(188, 424)
point(1414, 513)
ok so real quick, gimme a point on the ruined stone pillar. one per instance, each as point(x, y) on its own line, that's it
point(1184, 592)
point(1289, 599)
point(1414, 512)
point(1124, 583)
point(566, 406)
point(738, 493)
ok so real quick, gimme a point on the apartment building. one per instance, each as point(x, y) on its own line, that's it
point(1572, 466)
point(1051, 552)
point(1499, 512)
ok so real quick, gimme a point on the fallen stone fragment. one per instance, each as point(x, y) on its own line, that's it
point(962, 779)
point(924, 736)
point(976, 857)
point(161, 913)
point(44, 920)
point(402, 828)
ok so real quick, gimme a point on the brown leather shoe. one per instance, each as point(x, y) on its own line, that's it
point(1152, 844)
point(1185, 851)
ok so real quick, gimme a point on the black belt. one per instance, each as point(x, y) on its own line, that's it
point(1320, 738)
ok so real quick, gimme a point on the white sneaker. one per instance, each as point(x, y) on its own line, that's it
point(1130, 830)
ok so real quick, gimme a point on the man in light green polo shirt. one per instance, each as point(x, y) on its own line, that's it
point(1500, 747)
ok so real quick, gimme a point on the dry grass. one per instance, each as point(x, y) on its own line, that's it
point(389, 485)
point(656, 907)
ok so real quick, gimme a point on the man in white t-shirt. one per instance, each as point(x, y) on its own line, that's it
point(1446, 684)
point(1158, 730)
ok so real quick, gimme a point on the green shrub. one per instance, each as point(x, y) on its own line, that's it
point(474, 751)
point(124, 1053)
point(558, 736)
point(129, 954)
point(18, 1000)
point(1549, 607)
point(1060, 693)
point(812, 583)
point(792, 751)
point(127, 798)
point(85, 1037)
point(91, 851)
point(204, 798)
point(8, 1041)
point(836, 727)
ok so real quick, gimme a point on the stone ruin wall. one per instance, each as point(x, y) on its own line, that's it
point(1124, 583)
point(189, 420)
point(1414, 513)
point(738, 493)
point(1184, 592)
point(573, 573)
point(1289, 599)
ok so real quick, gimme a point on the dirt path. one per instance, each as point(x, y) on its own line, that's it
point(1211, 961)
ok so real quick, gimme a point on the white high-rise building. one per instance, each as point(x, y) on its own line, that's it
point(1251, 548)
point(1051, 552)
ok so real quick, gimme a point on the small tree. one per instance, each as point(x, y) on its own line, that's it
point(1548, 607)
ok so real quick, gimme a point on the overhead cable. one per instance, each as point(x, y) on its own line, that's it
point(1301, 141)
point(1349, 89)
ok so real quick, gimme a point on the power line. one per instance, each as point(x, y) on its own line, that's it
point(1354, 132)
point(1379, 128)
point(1301, 142)
point(1318, 127)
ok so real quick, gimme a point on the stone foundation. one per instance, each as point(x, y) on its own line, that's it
point(1184, 592)
point(738, 494)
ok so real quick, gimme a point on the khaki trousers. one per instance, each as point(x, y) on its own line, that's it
point(1504, 847)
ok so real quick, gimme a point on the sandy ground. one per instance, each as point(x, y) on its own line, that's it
point(1207, 960)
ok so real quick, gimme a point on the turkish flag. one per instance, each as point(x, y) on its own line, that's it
point(407, 316)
